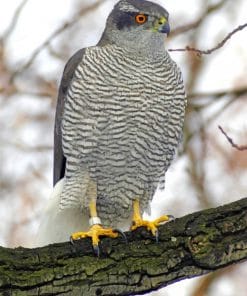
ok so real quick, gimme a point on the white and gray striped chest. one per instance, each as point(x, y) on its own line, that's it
point(116, 100)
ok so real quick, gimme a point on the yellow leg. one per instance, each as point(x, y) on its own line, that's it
point(96, 230)
point(150, 225)
point(92, 209)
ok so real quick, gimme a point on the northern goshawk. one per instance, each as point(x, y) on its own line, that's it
point(119, 120)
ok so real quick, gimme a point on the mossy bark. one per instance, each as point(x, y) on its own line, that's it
point(190, 246)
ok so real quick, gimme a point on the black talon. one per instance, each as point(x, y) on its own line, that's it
point(96, 250)
point(157, 236)
point(171, 217)
point(72, 241)
point(124, 237)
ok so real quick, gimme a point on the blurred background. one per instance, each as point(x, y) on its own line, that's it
point(36, 39)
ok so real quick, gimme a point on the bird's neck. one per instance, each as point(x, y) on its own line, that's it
point(151, 47)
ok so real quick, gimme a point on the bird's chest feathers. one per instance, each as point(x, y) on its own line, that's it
point(119, 113)
point(121, 83)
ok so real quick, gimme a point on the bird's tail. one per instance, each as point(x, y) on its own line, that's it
point(57, 225)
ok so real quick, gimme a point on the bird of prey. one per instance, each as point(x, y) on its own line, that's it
point(119, 120)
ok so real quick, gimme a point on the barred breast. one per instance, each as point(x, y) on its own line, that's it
point(122, 122)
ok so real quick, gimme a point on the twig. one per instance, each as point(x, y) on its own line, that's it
point(195, 24)
point(209, 120)
point(218, 94)
point(14, 20)
point(219, 45)
point(230, 140)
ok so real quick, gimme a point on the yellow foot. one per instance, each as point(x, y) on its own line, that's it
point(150, 225)
point(95, 232)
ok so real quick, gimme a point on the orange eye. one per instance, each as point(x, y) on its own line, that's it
point(141, 19)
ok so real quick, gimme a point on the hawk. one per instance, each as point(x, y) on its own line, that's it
point(119, 120)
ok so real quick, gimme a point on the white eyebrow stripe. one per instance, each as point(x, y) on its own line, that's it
point(127, 7)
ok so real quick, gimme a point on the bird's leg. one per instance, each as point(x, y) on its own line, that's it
point(96, 229)
point(150, 225)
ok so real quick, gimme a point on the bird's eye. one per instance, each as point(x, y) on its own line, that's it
point(141, 19)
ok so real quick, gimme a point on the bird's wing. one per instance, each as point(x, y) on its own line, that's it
point(59, 160)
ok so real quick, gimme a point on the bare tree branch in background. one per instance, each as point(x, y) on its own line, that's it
point(219, 94)
point(230, 140)
point(57, 32)
point(14, 20)
point(205, 284)
point(218, 46)
point(211, 118)
point(5, 79)
point(209, 10)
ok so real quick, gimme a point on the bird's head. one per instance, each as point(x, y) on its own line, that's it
point(138, 25)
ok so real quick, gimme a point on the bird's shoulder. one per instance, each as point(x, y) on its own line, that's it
point(69, 69)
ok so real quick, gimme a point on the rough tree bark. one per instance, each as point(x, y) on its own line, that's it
point(190, 246)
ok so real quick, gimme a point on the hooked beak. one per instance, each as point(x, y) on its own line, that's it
point(162, 26)
point(164, 29)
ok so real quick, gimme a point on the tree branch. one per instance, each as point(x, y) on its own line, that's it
point(219, 45)
point(237, 92)
point(190, 246)
point(14, 20)
point(230, 140)
point(196, 23)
